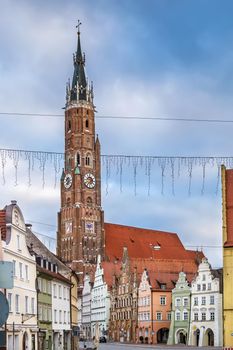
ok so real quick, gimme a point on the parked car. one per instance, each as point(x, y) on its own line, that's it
point(103, 339)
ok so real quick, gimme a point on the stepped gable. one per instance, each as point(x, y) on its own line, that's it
point(143, 243)
point(164, 271)
point(3, 224)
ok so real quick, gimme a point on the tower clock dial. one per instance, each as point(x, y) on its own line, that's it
point(89, 180)
point(68, 181)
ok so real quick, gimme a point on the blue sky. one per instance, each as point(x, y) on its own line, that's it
point(147, 58)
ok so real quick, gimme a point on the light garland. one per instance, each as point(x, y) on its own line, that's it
point(118, 165)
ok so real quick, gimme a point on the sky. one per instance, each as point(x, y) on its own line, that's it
point(151, 58)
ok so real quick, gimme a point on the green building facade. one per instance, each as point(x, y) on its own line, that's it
point(181, 312)
point(44, 285)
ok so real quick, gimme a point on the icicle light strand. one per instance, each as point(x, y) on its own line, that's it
point(172, 167)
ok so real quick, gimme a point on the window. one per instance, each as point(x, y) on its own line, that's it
point(26, 304)
point(185, 316)
point(78, 159)
point(159, 316)
point(204, 286)
point(177, 316)
point(18, 243)
point(195, 301)
point(163, 300)
point(212, 300)
point(14, 268)
point(163, 286)
point(60, 316)
point(9, 297)
point(20, 270)
point(178, 302)
point(203, 300)
point(64, 293)
point(17, 303)
point(48, 287)
point(195, 316)
point(88, 159)
point(55, 290)
point(26, 272)
point(198, 287)
point(55, 316)
point(203, 316)
point(64, 318)
point(212, 316)
point(185, 302)
point(203, 277)
point(69, 125)
point(209, 286)
point(169, 316)
point(87, 124)
point(33, 305)
point(89, 201)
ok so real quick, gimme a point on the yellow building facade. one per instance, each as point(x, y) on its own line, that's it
point(227, 214)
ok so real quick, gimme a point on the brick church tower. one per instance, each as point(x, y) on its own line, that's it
point(80, 236)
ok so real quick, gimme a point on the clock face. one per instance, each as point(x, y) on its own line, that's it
point(68, 181)
point(89, 180)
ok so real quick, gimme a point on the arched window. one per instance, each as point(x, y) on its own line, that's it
point(88, 160)
point(89, 201)
point(78, 159)
point(87, 123)
point(69, 125)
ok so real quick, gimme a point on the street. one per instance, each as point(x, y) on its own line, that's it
point(121, 346)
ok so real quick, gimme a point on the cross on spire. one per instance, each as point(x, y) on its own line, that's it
point(78, 26)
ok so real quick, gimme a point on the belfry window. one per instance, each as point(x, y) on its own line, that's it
point(78, 159)
point(87, 124)
point(88, 160)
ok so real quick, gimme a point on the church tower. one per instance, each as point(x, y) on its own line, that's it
point(80, 235)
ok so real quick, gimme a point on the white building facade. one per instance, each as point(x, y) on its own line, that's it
point(100, 303)
point(61, 321)
point(206, 307)
point(22, 329)
point(86, 308)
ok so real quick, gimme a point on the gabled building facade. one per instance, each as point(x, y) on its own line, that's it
point(206, 307)
point(22, 327)
point(86, 308)
point(124, 300)
point(181, 312)
point(100, 302)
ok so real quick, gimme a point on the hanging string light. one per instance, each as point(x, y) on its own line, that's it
point(118, 166)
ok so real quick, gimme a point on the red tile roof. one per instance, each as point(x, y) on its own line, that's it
point(229, 207)
point(110, 270)
point(3, 224)
point(55, 275)
point(143, 243)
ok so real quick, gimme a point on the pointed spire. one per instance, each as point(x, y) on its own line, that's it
point(79, 88)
